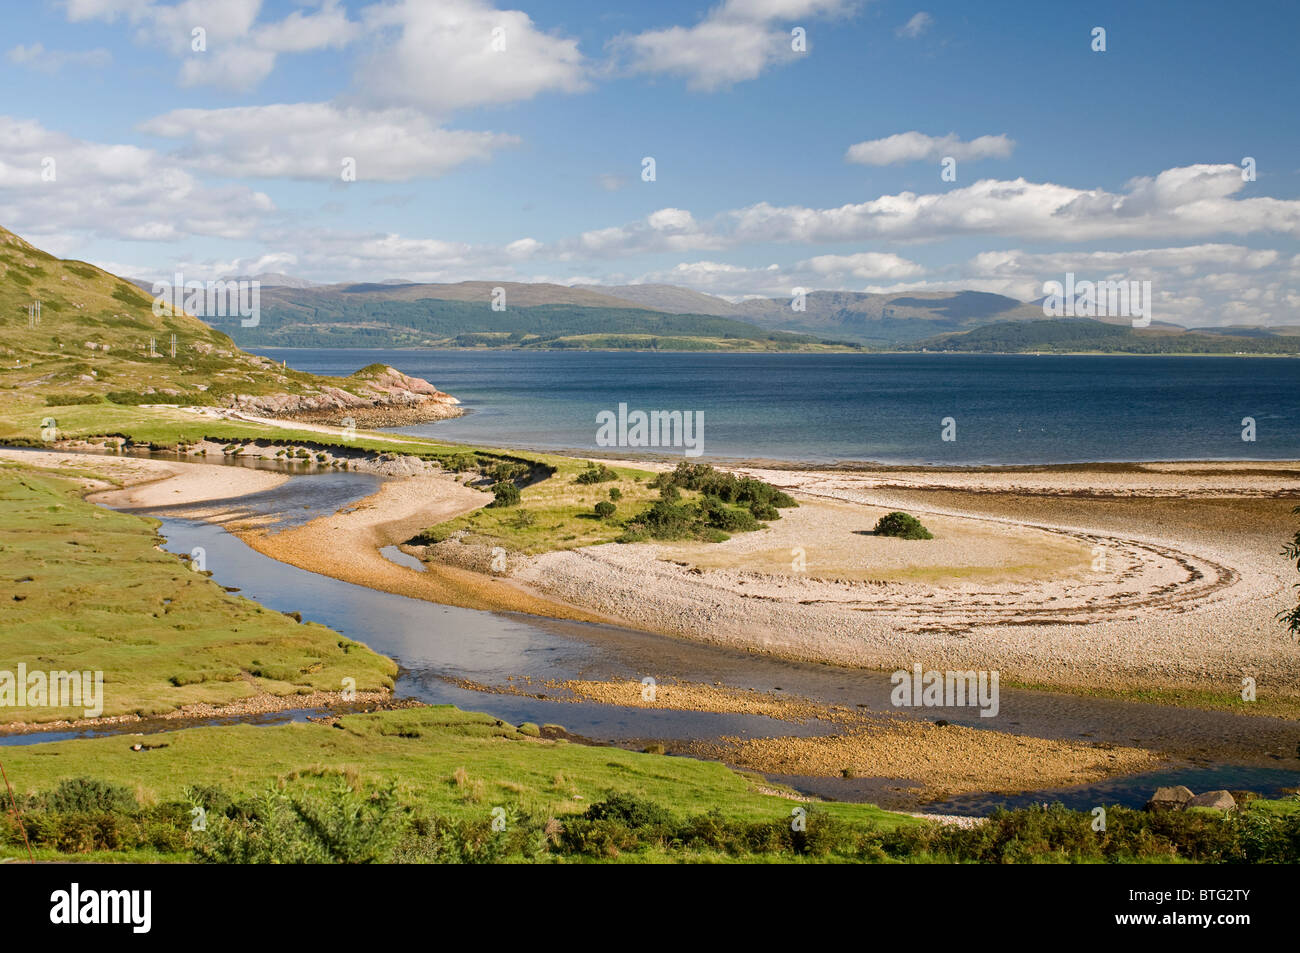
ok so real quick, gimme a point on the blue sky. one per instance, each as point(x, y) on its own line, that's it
point(775, 169)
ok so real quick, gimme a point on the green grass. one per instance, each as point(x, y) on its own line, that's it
point(445, 761)
point(98, 595)
point(560, 511)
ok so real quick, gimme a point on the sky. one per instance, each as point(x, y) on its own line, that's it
point(795, 144)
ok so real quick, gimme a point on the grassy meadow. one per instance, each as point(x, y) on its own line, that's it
point(91, 591)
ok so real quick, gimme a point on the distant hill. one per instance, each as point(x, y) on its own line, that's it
point(670, 299)
point(395, 313)
point(886, 319)
point(1072, 335)
point(462, 315)
point(99, 339)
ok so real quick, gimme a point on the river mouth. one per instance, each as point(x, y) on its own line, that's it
point(449, 655)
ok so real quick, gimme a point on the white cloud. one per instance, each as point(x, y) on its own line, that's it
point(835, 272)
point(37, 57)
point(113, 190)
point(310, 141)
point(241, 50)
point(865, 265)
point(917, 25)
point(916, 146)
point(441, 56)
point(735, 42)
point(1186, 202)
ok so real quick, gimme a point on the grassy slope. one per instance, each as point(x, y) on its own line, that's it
point(82, 305)
point(99, 596)
point(435, 316)
point(420, 749)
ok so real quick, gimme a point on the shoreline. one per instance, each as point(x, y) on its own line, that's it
point(732, 594)
point(629, 579)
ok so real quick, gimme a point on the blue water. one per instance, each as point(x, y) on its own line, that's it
point(886, 408)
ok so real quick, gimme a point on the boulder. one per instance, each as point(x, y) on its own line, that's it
point(1220, 800)
point(1170, 799)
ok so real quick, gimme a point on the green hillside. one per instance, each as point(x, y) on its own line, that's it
point(1072, 335)
point(98, 340)
point(885, 320)
point(374, 316)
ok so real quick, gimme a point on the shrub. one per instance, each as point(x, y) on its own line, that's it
point(615, 494)
point(595, 473)
point(460, 462)
point(338, 825)
point(718, 515)
point(131, 398)
point(507, 472)
point(605, 509)
point(504, 494)
point(87, 794)
point(725, 486)
point(629, 810)
point(902, 526)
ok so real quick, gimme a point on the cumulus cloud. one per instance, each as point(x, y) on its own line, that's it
point(1185, 202)
point(823, 272)
point(113, 190)
point(864, 265)
point(1193, 285)
point(916, 146)
point(241, 50)
point(311, 140)
point(737, 41)
point(444, 56)
point(1189, 202)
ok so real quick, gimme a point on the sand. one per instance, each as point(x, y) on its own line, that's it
point(145, 482)
point(346, 546)
point(1160, 577)
point(937, 761)
point(1112, 577)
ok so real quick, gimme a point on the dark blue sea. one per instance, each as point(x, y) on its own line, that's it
point(885, 408)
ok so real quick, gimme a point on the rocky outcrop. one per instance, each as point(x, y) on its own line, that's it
point(1180, 798)
point(1219, 800)
point(384, 397)
point(1170, 799)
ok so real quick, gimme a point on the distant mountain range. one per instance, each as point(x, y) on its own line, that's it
point(393, 313)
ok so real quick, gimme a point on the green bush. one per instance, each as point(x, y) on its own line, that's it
point(902, 526)
point(86, 794)
point(507, 472)
point(504, 494)
point(336, 826)
point(132, 398)
point(595, 473)
point(715, 513)
point(725, 486)
point(605, 509)
point(461, 462)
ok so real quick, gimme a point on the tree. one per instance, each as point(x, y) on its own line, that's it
point(605, 509)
